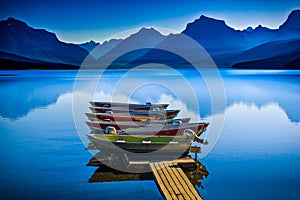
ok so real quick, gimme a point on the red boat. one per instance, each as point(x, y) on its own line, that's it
point(165, 114)
point(124, 125)
point(130, 106)
point(108, 116)
point(161, 130)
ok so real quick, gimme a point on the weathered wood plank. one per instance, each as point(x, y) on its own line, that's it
point(178, 184)
point(184, 185)
point(188, 183)
point(165, 187)
point(166, 182)
point(160, 182)
point(169, 178)
point(173, 182)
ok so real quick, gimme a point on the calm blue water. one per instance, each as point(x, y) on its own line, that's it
point(42, 135)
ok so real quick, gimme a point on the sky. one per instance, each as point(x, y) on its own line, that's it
point(81, 21)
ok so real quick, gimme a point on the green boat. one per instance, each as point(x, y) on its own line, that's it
point(143, 143)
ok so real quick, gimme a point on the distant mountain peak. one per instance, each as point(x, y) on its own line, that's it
point(12, 21)
point(206, 27)
point(214, 35)
point(295, 12)
point(90, 43)
point(111, 41)
point(249, 29)
point(148, 30)
point(208, 20)
point(261, 28)
point(89, 46)
point(206, 24)
point(20, 26)
point(293, 20)
point(144, 33)
point(20, 39)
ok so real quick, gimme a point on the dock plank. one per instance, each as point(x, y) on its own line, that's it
point(163, 183)
point(165, 188)
point(187, 187)
point(166, 182)
point(168, 167)
point(188, 183)
point(160, 182)
point(169, 178)
point(173, 182)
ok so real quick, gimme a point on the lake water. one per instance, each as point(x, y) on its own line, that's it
point(43, 131)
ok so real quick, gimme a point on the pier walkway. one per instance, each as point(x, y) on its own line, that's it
point(173, 182)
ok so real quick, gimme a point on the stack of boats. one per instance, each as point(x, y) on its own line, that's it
point(141, 128)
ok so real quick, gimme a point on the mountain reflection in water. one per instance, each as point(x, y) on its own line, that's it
point(258, 145)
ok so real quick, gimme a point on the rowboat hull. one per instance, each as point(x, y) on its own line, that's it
point(161, 130)
point(147, 106)
point(166, 114)
point(125, 125)
point(107, 116)
point(139, 147)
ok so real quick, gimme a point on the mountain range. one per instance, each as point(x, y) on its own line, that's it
point(24, 47)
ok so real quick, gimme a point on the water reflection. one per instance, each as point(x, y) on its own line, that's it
point(19, 97)
point(25, 92)
point(260, 137)
point(195, 171)
point(262, 90)
point(105, 173)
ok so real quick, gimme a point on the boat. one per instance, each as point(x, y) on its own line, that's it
point(140, 128)
point(109, 116)
point(140, 144)
point(124, 125)
point(132, 106)
point(132, 116)
point(157, 130)
point(167, 114)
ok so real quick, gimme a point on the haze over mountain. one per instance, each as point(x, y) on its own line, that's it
point(288, 30)
point(289, 48)
point(215, 36)
point(18, 38)
point(105, 47)
point(228, 46)
point(225, 45)
point(145, 37)
point(89, 46)
point(281, 54)
point(258, 36)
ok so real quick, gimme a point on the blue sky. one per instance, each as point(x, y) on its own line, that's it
point(74, 21)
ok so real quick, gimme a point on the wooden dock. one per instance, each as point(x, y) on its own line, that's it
point(173, 182)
